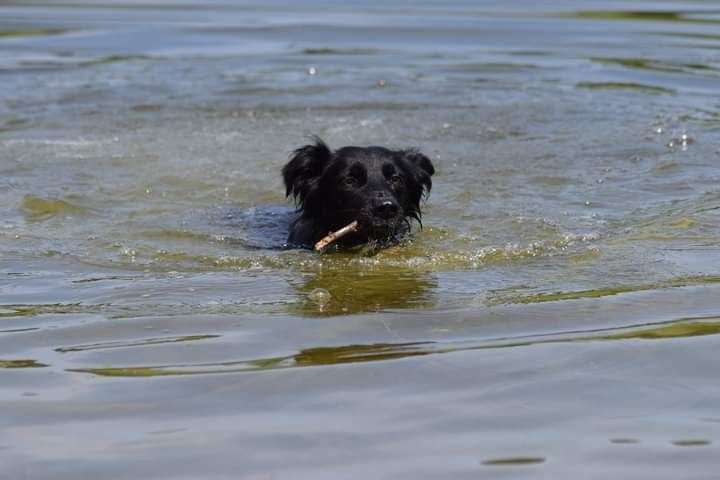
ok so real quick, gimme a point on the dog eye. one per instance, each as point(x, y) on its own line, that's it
point(396, 179)
point(349, 181)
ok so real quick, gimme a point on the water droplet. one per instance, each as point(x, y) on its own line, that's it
point(312, 71)
point(381, 83)
point(320, 296)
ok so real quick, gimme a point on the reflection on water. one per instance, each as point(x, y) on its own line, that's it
point(344, 354)
point(305, 358)
point(354, 288)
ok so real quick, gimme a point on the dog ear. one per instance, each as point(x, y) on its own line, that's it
point(422, 168)
point(304, 168)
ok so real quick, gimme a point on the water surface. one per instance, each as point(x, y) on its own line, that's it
point(556, 317)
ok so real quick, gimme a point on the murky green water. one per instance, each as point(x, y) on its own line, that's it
point(557, 317)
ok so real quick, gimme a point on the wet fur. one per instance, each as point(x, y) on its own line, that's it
point(380, 188)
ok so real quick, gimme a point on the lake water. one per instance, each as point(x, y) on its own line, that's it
point(557, 316)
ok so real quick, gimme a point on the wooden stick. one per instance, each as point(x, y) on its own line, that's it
point(335, 236)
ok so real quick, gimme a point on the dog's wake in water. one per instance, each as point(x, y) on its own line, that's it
point(262, 227)
point(266, 228)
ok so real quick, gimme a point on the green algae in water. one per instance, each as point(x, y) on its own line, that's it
point(115, 59)
point(624, 441)
point(623, 86)
point(359, 353)
point(582, 294)
point(514, 461)
point(10, 311)
point(37, 209)
point(692, 329)
point(14, 124)
point(651, 65)
point(684, 222)
point(498, 298)
point(636, 63)
point(147, 107)
point(320, 51)
point(21, 364)
point(139, 343)
point(639, 15)
point(129, 372)
point(37, 32)
point(334, 51)
point(691, 443)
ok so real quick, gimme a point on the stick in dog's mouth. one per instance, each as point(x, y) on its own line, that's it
point(336, 235)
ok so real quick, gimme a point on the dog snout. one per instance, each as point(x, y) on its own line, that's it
point(386, 209)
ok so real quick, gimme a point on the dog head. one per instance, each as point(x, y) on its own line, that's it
point(378, 187)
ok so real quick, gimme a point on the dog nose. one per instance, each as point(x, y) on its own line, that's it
point(386, 209)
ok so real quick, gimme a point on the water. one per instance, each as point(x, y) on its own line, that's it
point(555, 318)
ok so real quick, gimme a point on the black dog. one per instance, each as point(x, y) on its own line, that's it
point(379, 188)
